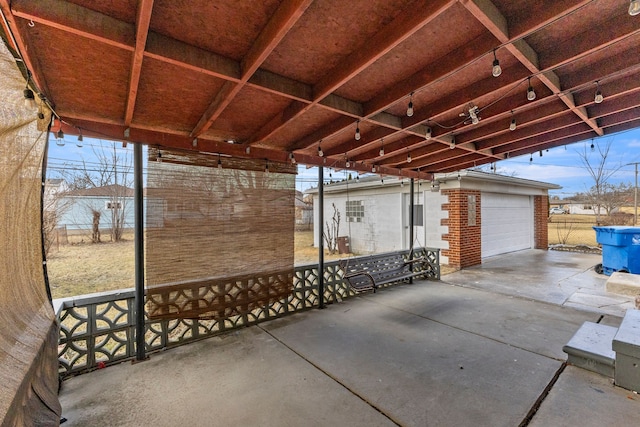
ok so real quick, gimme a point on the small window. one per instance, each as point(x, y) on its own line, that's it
point(355, 210)
point(112, 205)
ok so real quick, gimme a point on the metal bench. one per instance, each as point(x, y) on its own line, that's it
point(369, 272)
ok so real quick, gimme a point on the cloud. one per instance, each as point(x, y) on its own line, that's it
point(633, 143)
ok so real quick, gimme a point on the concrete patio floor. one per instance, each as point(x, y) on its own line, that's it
point(483, 347)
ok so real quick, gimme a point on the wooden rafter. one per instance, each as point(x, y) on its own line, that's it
point(143, 18)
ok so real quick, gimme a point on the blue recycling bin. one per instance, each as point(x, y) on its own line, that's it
point(620, 248)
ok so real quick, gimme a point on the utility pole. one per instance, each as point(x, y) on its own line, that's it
point(635, 196)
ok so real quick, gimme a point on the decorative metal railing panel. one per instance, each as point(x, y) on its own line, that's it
point(98, 330)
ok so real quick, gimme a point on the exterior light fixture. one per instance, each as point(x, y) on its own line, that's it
point(357, 136)
point(598, 98)
point(531, 94)
point(496, 70)
point(634, 7)
point(410, 106)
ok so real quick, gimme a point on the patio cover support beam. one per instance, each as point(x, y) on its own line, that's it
point(139, 252)
point(411, 219)
point(320, 241)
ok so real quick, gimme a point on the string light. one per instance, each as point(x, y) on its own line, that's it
point(408, 157)
point(80, 139)
point(452, 145)
point(531, 158)
point(634, 7)
point(598, 98)
point(496, 70)
point(219, 162)
point(373, 168)
point(382, 146)
point(410, 106)
point(194, 142)
point(513, 125)
point(357, 136)
point(531, 94)
point(266, 167)
point(593, 147)
point(292, 158)
point(320, 153)
point(29, 98)
point(427, 134)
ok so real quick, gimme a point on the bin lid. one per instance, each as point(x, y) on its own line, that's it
point(619, 229)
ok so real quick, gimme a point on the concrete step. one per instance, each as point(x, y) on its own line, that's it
point(624, 284)
point(590, 348)
point(626, 343)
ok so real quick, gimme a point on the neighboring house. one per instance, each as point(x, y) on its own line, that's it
point(469, 215)
point(580, 207)
point(108, 200)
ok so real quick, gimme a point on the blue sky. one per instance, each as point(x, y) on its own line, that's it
point(560, 165)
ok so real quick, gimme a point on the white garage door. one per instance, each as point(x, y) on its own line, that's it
point(507, 223)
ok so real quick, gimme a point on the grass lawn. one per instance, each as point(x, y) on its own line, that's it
point(572, 230)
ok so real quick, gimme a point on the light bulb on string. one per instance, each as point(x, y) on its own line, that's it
point(634, 7)
point(598, 98)
point(409, 158)
point(320, 153)
point(357, 136)
point(80, 139)
point(427, 134)
point(382, 147)
point(531, 94)
point(496, 69)
point(410, 106)
point(513, 124)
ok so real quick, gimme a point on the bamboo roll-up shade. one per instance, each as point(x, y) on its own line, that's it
point(28, 329)
point(218, 240)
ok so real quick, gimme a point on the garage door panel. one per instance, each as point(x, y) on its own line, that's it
point(507, 223)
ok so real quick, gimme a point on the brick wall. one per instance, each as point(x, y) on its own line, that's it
point(465, 243)
point(540, 222)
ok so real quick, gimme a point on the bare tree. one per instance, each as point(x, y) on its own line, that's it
point(332, 231)
point(615, 196)
point(600, 171)
point(54, 207)
point(112, 171)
